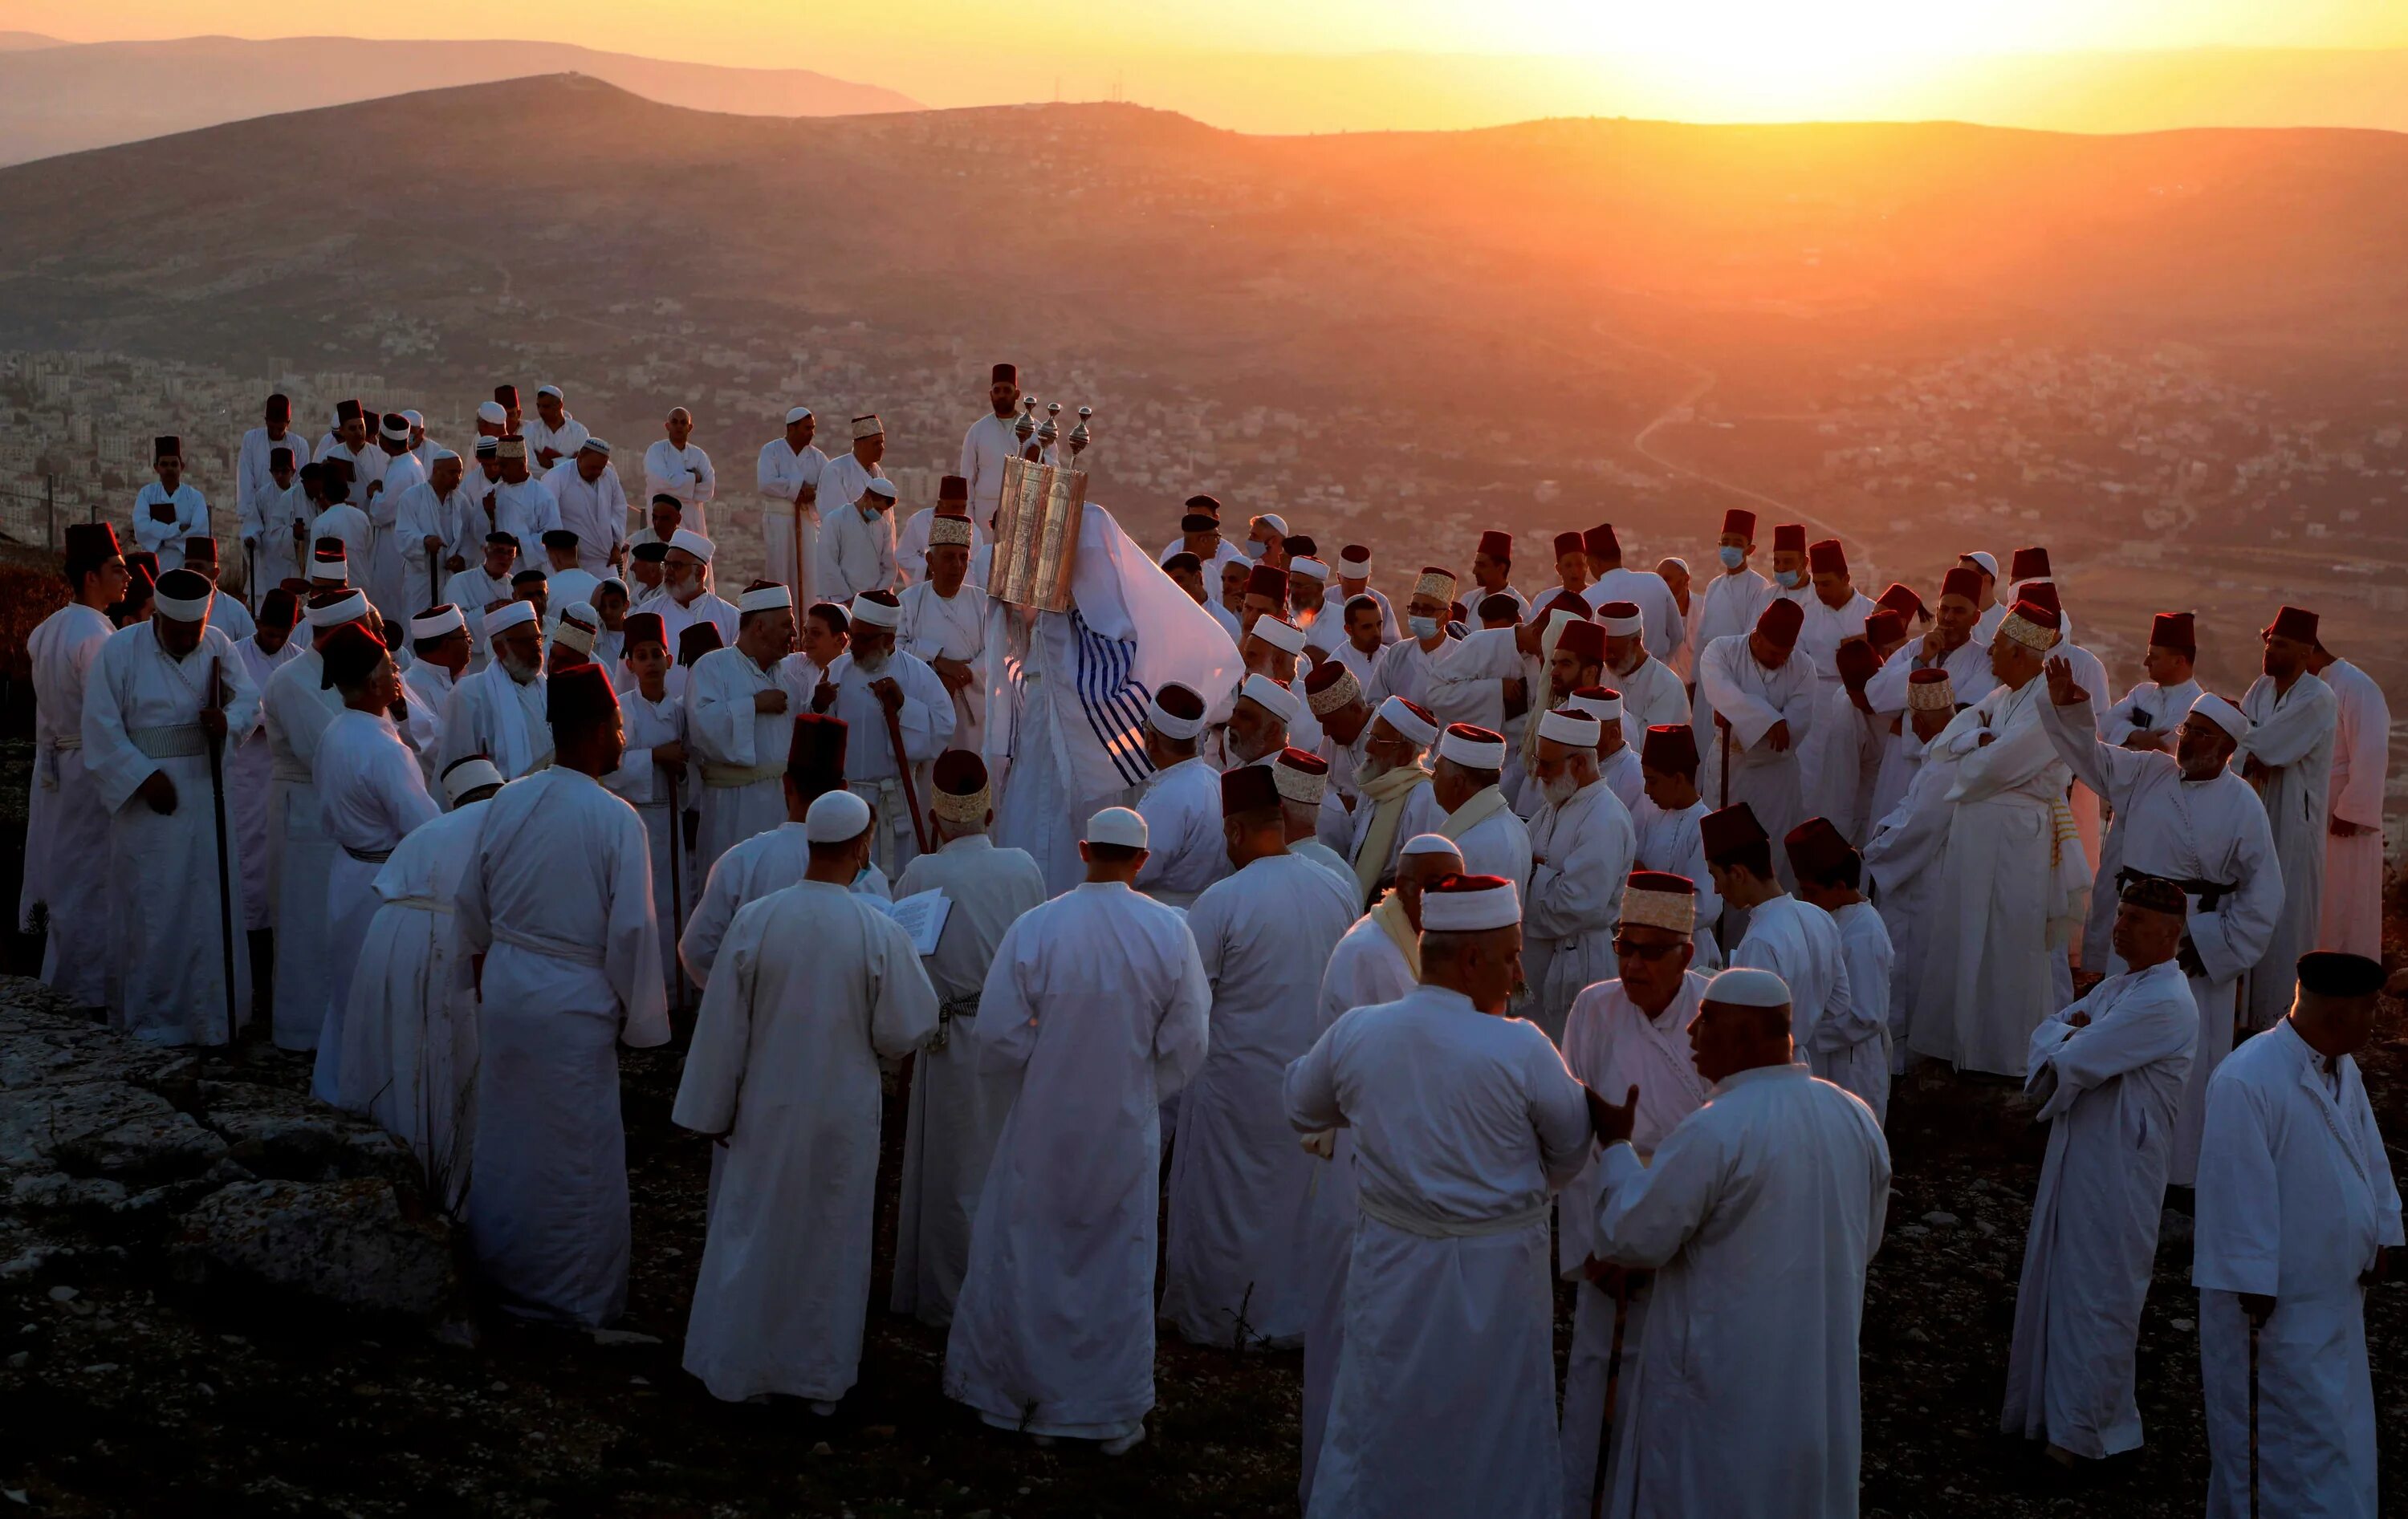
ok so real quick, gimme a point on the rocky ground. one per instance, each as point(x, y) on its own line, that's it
point(214, 1297)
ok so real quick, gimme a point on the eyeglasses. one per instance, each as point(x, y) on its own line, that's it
point(1630, 949)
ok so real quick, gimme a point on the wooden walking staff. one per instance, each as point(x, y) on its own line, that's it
point(215, 744)
point(903, 769)
point(1613, 1388)
point(677, 886)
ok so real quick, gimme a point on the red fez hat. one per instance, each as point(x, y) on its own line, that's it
point(2043, 594)
point(279, 455)
point(1932, 676)
point(697, 639)
point(815, 752)
point(1302, 761)
point(2296, 623)
point(1816, 848)
point(578, 697)
point(1900, 598)
point(1600, 541)
point(1210, 504)
point(1789, 538)
point(280, 609)
point(1299, 546)
point(280, 405)
point(958, 772)
point(1780, 621)
point(2029, 564)
point(347, 410)
point(507, 394)
point(1266, 580)
point(1585, 642)
point(1887, 626)
point(167, 446)
point(1568, 543)
point(1562, 601)
point(1827, 557)
point(1004, 373)
point(1740, 520)
point(1731, 829)
point(643, 628)
point(1248, 788)
point(201, 547)
point(952, 488)
point(349, 652)
point(1499, 608)
point(1671, 747)
point(1497, 545)
point(89, 545)
point(2174, 630)
point(2039, 614)
point(1962, 580)
point(1857, 661)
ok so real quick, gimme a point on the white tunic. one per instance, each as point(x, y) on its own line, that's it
point(561, 442)
point(268, 523)
point(2353, 885)
point(818, 986)
point(426, 691)
point(1404, 671)
point(250, 784)
point(1798, 942)
point(297, 707)
point(572, 964)
point(1871, 961)
point(422, 512)
point(742, 751)
point(387, 553)
point(1675, 842)
point(951, 628)
point(1902, 868)
point(2109, 1092)
point(1584, 850)
point(987, 448)
point(926, 722)
point(843, 482)
point(684, 473)
point(1667, 629)
point(494, 714)
point(1758, 1213)
point(769, 861)
point(370, 795)
point(68, 825)
point(2293, 736)
point(190, 519)
point(595, 511)
point(1235, 1270)
point(253, 480)
point(526, 510)
point(1185, 852)
point(779, 474)
point(472, 590)
point(956, 1109)
point(169, 890)
point(707, 606)
point(1652, 694)
point(856, 552)
point(642, 784)
point(1751, 699)
point(2295, 1197)
point(1097, 1003)
point(1464, 1125)
point(345, 522)
point(1498, 844)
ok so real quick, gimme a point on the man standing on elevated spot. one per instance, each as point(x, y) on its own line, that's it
point(675, 465)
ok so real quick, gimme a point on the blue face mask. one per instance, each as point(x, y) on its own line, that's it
point(1789, 580)
point(1732, 558)
point(1423, 627)
point(1252, 548)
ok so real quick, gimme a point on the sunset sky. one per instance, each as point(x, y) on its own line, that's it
point(1277, 65)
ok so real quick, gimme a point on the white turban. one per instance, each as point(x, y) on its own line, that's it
point(1409, 724)
point(1472, 912)
point(1271, 696)
point(1580, 732)
point(692, 543)
point(503, 619)
point(764, 599)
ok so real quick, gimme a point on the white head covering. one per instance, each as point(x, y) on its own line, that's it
point(1582, 732)
point(1741, 987)
point(552, 390)
point(1430, 843)
point(467, 775)
point(1603, 709)
point(1645, 908)
point(1471, 754)
point(1280, 634)
point(764, 599)
point(441, 454)
point(436, 621)
point(2207, 704)
point(180, 608)
point(1276, 522)
point(1271, 696)
point(1408, 723)
point(1296, 784)
point(868, 426)
point(1472, 912)
point(692, 543)
point(1170, 724)
point(596, 445)
point(835, 817)
point(350, 609)
point(412, 417)
point(493, 411)
point(503, 619)
point(1313, 568)
point(876, 613)
point(576, 626)
point(1622, 627)
point(1355, 566)
point(880, 486)
point(1989, 562)
point(797, 413)
point(1117, 825)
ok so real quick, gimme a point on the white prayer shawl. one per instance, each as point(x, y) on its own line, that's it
point(1652, 694)
point(819, 985)
point(742, 751)
point(409, 1050)
point(67, 825)
point(684, 473)
point(1185, 852)
point(926, 721)
point(297, 707)
point(370, 795)
point(911, 545)
point(595, 510)
point(856, 552)
point(1464, 1125)
point(780, 475)
point(2109, 1093)
point(1584, 849)
point(1235, 1269)
point(956, 1109)
point(987, 448)
point(254, 480)
point(1751, 699)
point(767, 862)
point(1496, 845)
point(1871, 963)
point(562, 442)
point(166, 539)
point(250, 784)
point(1675, 842)
point(267, 521)
point(2352, 910)
point(1098, 1004)
point(571, 965)
point(426, 689)
point(643, 786)
point(1988, 974)
point(1833, 1034)
point(1647, 590)
point(1611, 1045)
point(526, 510)
point(952, 627)
point(2213, 830)
point(383, 574)
point(1404, 671)
point(2294, 735)
point(347, 522)
point(1758, 1213)
point(2295, 1197)
point(491, 713)
point(166, 979)
point(472, 590)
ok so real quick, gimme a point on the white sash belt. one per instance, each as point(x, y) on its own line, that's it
point(76, 741)
point(181, 741)
point(726, 777)
point(421, 904)
point(291, 773)
point(1451, 1228)
point(584, 955)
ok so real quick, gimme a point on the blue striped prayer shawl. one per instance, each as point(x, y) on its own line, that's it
point(1113, 699)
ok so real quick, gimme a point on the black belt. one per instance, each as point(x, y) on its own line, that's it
point(2208, 891)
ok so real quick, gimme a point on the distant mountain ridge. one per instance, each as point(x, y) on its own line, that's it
point(61, 97)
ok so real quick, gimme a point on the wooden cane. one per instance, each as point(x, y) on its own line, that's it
point(677, 888)
point(225, 896)
point(903, 767)
point(1722, 919)
point(2253, 1412)
point(1612, 1387)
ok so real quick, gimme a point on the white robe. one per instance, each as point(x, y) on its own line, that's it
point(684, 473)
point(818, 985)
point(169, 891)
point(769, 861)
point(254, 480)
point(645, 786)
point(68, 825)
point(1575, 899)
point(562, 442)
point(843, 482)
point(925, 722)
point(1096, 1001)
point(677, 616)
point(2295, 1197)
point(1652, 694)
point(1464, 1125)
point(1496, 845)
point(571, 967)
point(1758, 1213)
point(388, 554)
point(911, 545)
point(987, 446)
point(2352, 910)
point(353, 527)
point(190, 519)
point(595, 511)
point(370, 795)
point(1751, 699)
point(268, 523)
point(1871, 961)
point(1903, 872)
point(1834, 1034)
point(742, 751)
point(426, 691)
point(856, 552)
point(1404, 671)
point(936, 627)
point(251, 787)
point(1675, 842)
point(297, 705)
point(780, 475)
point(526, 510)
point(2293, 734)
point(1185, 852)
point(2147, 707)
point(1667, 629)
point(472, 590)
point(956, 1109)
point(1234, 1270)
point(2109, 1092)
point(410, 1031)
point(494, 714)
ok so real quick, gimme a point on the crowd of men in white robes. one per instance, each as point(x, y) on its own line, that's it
point(1453, 939)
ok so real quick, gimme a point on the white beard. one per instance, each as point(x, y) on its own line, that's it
point(873, 670)
point(1560, 789)
point(522, 674)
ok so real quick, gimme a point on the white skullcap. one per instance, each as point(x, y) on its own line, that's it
point(469, 775)
point(877, 613)
point(880, 486)
point(503, 619)
point(413, 418)
point(1430, 843)
point(1471, 754)
point(796, 414)
point(552, 390)
point(493, 411)
point(1741, 987)
point(1355, 565)
point(1604, 708)
point(1472, 912)
point(1989, 562)
point(576, 626)
point(1409, 724)
point(1622, 627)
point(1311, 568)
point(1676, 559)
point(436, 621)
point(1580, 732)
point(1271, 696)
point(1170, 724)
point(182, 609)
point(2207, 704)
point(441, 454)
point(692, 543)
point(1280, 634)
point(764, 599)
point(836, 817)
point(1276, 522)
point(596, 445)
point(350, 609)
point(1117, 825)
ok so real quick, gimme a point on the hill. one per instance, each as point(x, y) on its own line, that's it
point(61, 97)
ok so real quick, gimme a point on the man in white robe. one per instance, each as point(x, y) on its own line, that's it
point(989, 444)
point(159, 694)
point(675, 465)
point(553, 436)
point(1731, 601)
point(1624, 1032)
point(227, 613)
point(253, 473)
point(1667, 833)
point(2108, 1073)
point(1240, 1189)
point(67, 881)
point(685, 598)
point(1464, 1123)
point(1797, 941)
point(1651, 693)
point(1466, 804)
point(2185, 818)
point(1394, 785)
point(911, 539)
point(958, 1108)
point(740, 716)
point(944, 625)
point(2352, 908)
point(1303, 781)
point(482, 589)
point(398, 473)
point(250, 782)
point(857, 543)
point(1903, 854)
point(1097, 1003)
point(816, 987)
point(1642, 591)
point(787, 476)
point(520, 505)
point(2293, 721)
point(1854, 1052)
point(1581, 849)
point(498, 711)
point(1758, 1213)
point(571, 967)
point(884, 693)
point(593, 505)
point(170, 510)
point(433, 528)
point(1404, 667)
point(275, 523)
point(2297, 1213)
point(653, 778)
point(1761, 692)
point(1834, 609)
point(1182, 803)
point(439, 657)
point(844, 480)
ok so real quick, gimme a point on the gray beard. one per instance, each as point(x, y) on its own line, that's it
point(522, 674)
point(1237, 749)
point(1562, 789)
point(872, 670)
